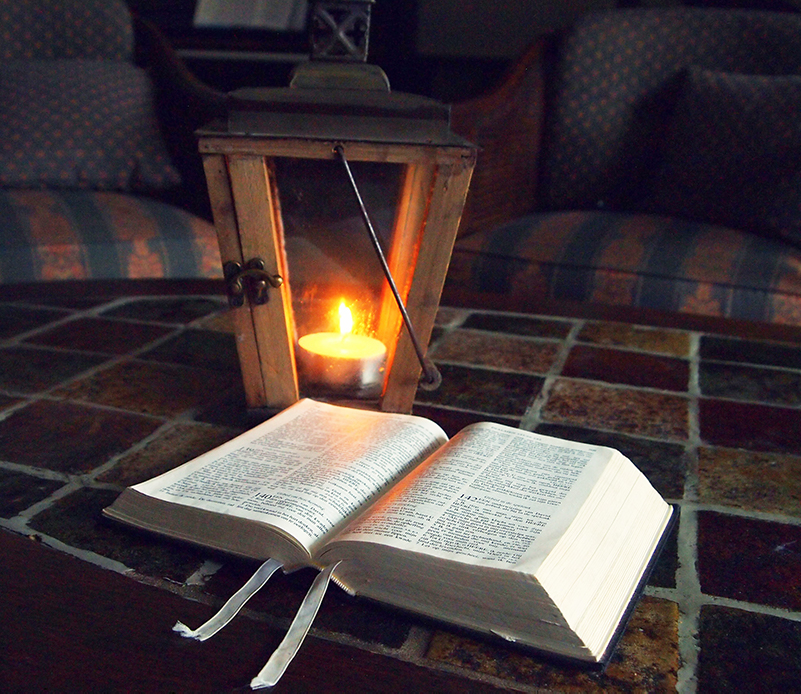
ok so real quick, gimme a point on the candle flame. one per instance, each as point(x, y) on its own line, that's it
point(345, 319)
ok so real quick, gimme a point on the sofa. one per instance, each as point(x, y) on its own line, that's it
point(645, 159)
point(100, 177)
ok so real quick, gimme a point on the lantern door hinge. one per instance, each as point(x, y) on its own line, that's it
point(253, 279)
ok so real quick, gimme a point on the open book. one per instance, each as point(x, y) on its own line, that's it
point(535, 539)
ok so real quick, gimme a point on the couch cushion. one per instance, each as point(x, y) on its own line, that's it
point(80, 124)
point(36, 29)
point(64, 235)
point(611, 71)
point(733, 155)
point(638, 260)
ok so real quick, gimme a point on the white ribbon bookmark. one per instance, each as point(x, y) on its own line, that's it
point(235, 603)
point(286, 651)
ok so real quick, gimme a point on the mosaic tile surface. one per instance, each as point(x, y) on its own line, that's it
point(69, 437)
point(750, 560)
point(746, 651)
point(149, 387)
point(483, 390)
point(501, 352)
point(750, 425)
point(629, 368)
point(100, 393)
point(647, 657)
point(653, 340)
point(31, 369)
point(99, 335)
point(767, 482)
point(15, 320)
point(629, 411)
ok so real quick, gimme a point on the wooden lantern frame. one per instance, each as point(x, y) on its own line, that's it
point(245, 204)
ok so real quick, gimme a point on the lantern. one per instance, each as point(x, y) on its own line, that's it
point(336, 203)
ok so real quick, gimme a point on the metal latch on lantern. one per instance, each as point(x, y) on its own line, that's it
point(253, 278)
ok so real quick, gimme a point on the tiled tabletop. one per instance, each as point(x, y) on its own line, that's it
point(100, 393)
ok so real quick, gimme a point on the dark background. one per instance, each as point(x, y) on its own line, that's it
point(446, 49)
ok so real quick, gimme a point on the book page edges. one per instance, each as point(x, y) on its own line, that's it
point(225, 533)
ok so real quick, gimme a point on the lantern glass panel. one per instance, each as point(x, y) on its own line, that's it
point(331, 264)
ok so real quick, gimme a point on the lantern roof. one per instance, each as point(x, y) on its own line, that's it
point(340, 101)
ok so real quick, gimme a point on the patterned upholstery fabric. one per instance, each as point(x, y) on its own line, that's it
point(59, 235)
point(628, 259)
point(33, 29)
point(605, 119)
point(80, 124)
point(611, 98)
point(733, 153)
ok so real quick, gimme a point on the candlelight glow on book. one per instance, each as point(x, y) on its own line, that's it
point(538, 540)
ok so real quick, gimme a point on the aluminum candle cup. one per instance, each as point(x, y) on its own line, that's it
point(343, 363)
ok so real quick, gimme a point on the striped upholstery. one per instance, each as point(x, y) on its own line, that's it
point(81, 148)
point(629, 259)
point(59, 235)
point(591, 235)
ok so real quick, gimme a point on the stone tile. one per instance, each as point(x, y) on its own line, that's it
point(221, 322)
point(750, 351)
point(436, 334)
point(31, 369)
point(16, 320)
point(7, 401)
point(664, 464)
point(483, 391)
point(339, 613)
point(18, 491)
point(230, 409)
point(205, 349)
point(630, 368)
point(78, 521)
point(663, 571)
point(767, 482)
point(150, 388)
point(526, 326)
point(173, 447)
point(657, 340)
point(68, 437)
point(498, 351)
point(180, 309)
point(77, 302)
point(625, 410)
point(646, 659)
point(453, 421)
point(747, 652)
point(447, 316)
point(100, 335)
point(748, 425)
point(751, 560)
point(738, 382)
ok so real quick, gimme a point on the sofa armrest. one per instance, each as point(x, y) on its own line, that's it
point(183, 103)
point(154, 52)
point(506, 126)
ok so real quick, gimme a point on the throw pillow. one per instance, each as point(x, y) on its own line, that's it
point(39, 29)
point(733, 153)
point(87, 124)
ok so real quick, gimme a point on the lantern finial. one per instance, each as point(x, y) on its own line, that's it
point(340, 29)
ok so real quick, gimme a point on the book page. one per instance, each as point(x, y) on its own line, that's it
point(486, 497)
point(305, 470)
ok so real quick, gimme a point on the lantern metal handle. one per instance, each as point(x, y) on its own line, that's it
point(431, 378)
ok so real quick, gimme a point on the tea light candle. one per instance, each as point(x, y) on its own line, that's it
point(343, 361)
